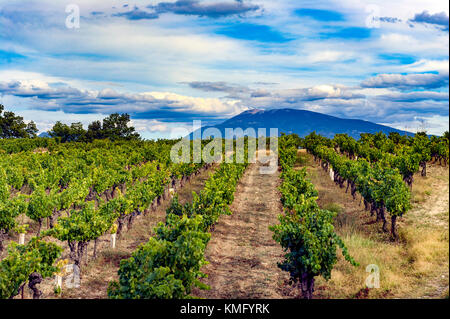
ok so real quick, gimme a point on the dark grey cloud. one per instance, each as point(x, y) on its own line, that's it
point(407, 81)
point(316, 94)
point(190, 7)
point(45, 93)
point(439, 20)
point(266, 83)
point(290, 96)
point(415, 96)
point(217, 87)
point(211, 10)
point(137, 14)
point(260, 93)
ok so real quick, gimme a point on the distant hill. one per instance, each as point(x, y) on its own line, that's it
point(302, 122)
point(44, 134)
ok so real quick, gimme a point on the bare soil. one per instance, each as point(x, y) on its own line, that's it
point(242, 255)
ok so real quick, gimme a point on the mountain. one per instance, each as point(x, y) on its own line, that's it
point(301, 122)
point(44, 134)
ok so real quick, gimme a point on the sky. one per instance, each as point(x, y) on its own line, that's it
point(167, 63)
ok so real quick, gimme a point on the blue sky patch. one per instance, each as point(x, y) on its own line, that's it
point(320, 15)
point(398, 58)
point(8, 57)
point(356, 33)
point(253, 32)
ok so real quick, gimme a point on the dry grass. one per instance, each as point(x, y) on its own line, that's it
point(415, 266)
point(421, 190)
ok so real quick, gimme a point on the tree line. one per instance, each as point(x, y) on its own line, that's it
point(13, 126)
point(114, 127)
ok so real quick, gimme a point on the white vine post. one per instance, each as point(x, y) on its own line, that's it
point(71, 271)
point(113, 240)
point(22, 239)
point(58, 282)
point(331, 174)
point(73, 279)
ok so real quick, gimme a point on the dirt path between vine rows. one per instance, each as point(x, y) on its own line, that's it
point(242, 254)
point(96, 275)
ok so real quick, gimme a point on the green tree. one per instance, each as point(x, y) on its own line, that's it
point(31, 129)
point(446, 135)
point(77, 132)
point(65, 133)
point(116, 126)
point(95, 131)
point(13, 126)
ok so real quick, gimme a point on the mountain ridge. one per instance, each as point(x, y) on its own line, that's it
point(301, 122)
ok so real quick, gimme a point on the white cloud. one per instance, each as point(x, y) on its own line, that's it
point(73, 100)
point(425, 65)
point(328, 56)
point(434, 124)
point(150, 126)
point(430, 43)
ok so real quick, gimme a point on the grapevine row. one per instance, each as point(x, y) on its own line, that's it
point(86, 219)
point(381, 186)
point(169, 264)
point(407, 154)
point(305, 231)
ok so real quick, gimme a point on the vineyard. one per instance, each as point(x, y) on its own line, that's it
point(178, 230)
